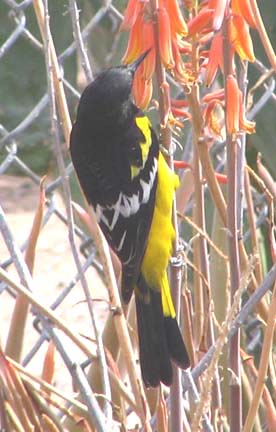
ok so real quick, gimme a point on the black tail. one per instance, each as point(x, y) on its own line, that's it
point(160, 340)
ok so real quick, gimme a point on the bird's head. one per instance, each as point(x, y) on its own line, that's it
point(110, 92)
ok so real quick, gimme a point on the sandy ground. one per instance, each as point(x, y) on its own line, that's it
point(54, 269)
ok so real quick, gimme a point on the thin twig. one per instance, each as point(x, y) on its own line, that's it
point(58, 84)
point(252, 224)
point(47, 312)
point(78, 38)
point(232, 225)
point(239, 320)
point(15, 253)
point(203, 234)
point(48, 387)
point(264, 361)
point(263, 34)
point(223, 336)
point(94, 411)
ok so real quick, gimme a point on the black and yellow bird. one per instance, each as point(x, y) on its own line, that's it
point(125, 178)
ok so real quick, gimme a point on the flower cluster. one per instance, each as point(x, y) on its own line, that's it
point(144, 23)
point(166, 33)
point(206, 27)
point(240, 18)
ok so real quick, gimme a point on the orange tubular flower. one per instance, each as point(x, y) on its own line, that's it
point(214, 118)
point(184, 47)
point(181, 164)
point(147, 94)
point(138, 88)
point(215, 59)
point(133, 8)
point(179, 69)
point(243, 8)
point(232, 105)
point(178, 24)
point(215, 95)
point(219, 6)
point(165, 44)
point(141, 38)
point(245, 125)
point(179, 103)
point(181, 113)
point(235, 116)
point(240, 38)
point(134, 47)
point(201, 22)
point(171, 28)
point(221, 178)
point(148, 65)
point(204, 39)
point(142, 91)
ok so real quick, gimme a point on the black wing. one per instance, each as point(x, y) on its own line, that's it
point(123, 205)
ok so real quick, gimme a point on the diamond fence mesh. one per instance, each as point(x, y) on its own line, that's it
point(34, 142)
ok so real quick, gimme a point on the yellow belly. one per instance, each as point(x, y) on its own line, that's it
point(161, 236)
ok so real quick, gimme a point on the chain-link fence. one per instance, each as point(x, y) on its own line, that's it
point(31, 147)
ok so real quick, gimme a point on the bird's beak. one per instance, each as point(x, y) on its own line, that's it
point(133, 66)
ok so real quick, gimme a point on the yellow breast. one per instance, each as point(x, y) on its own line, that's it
point(161, 236)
